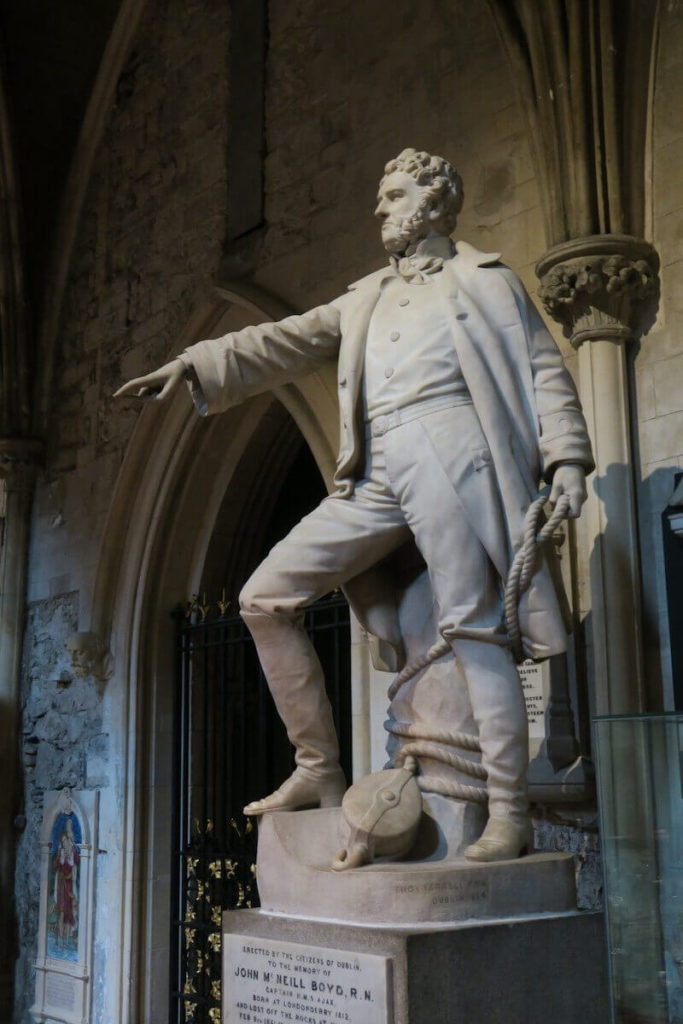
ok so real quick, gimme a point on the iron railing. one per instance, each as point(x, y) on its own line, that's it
point(229, 748)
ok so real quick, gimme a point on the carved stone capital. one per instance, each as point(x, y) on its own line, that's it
point(596, 286)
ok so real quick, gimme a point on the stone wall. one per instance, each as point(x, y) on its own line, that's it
point(59, 721)
point(346, 92)
point(149, 243)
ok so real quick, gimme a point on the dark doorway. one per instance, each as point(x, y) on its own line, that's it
point(230, 746)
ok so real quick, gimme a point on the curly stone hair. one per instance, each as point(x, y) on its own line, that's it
point(440, 179)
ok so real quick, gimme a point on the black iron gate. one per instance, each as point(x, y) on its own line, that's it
point(230, 748)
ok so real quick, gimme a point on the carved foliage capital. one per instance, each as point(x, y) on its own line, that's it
point(595, 287)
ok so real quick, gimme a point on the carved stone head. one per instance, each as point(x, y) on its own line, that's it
point(89, 656)
point(420, 194)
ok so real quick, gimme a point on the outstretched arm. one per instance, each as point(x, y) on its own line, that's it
point(224, 371)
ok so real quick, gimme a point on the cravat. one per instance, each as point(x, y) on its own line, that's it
point(416, 269)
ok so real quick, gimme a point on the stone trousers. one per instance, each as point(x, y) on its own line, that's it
point(430, 476)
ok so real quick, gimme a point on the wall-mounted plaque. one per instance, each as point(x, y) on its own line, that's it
point(63, 966)
point(535, 679)
point(268, 981)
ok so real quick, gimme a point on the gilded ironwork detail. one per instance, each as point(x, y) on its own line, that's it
point(199, 610)
point(215, 880)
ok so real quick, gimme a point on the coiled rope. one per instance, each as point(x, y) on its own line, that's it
point(435, 745)
point(524, 562)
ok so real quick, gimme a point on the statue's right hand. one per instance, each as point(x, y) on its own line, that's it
point(157, 385)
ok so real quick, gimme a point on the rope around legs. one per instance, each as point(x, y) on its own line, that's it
point(431, 744)
point(434, 744)
point(418, 732)
point(457, 790)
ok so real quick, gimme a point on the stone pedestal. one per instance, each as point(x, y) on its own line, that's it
point(521, 970)
point(294, 875)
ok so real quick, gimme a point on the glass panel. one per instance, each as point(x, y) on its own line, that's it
point(641, 810)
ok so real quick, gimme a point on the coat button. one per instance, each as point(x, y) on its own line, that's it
point(342, 382)
point(395, 335)
point(403, 302)
point(388, 372)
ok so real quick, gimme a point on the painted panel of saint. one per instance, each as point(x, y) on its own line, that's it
point(63, 888)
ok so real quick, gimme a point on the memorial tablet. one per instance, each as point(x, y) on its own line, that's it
point(535, 680)
point(268, 981)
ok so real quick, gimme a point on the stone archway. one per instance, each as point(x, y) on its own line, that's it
point(170, 490)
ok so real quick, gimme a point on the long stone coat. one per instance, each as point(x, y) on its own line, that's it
point(525, 399)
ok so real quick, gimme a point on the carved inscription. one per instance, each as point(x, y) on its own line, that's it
point(267, 981)
point(467, 894)
point(60, 992)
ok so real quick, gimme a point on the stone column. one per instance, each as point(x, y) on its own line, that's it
point(597, 287)
point(18, 458)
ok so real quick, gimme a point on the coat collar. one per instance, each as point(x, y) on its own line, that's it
point(463, 255)
point(466, 253)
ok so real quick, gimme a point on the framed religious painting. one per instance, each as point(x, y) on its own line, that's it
point(68, 850)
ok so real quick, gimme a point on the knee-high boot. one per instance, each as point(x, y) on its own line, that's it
point(296, 682)
point(500, 713)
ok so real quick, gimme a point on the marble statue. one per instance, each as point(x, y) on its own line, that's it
point(454, 404)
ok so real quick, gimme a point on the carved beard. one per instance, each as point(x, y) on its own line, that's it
point(408, 230)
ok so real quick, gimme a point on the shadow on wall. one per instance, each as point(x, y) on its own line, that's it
point(653, 496)
point(579, 835)
point(662, 569)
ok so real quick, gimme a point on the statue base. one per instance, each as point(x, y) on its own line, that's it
point(522, 970)
point(435, 884)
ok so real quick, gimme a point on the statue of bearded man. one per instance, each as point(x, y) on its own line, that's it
point(454, 404)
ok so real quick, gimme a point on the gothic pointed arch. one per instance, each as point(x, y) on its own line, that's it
point(176, 473)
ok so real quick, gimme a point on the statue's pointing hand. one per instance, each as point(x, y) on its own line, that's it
point(158, 385)
point(569, 479)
